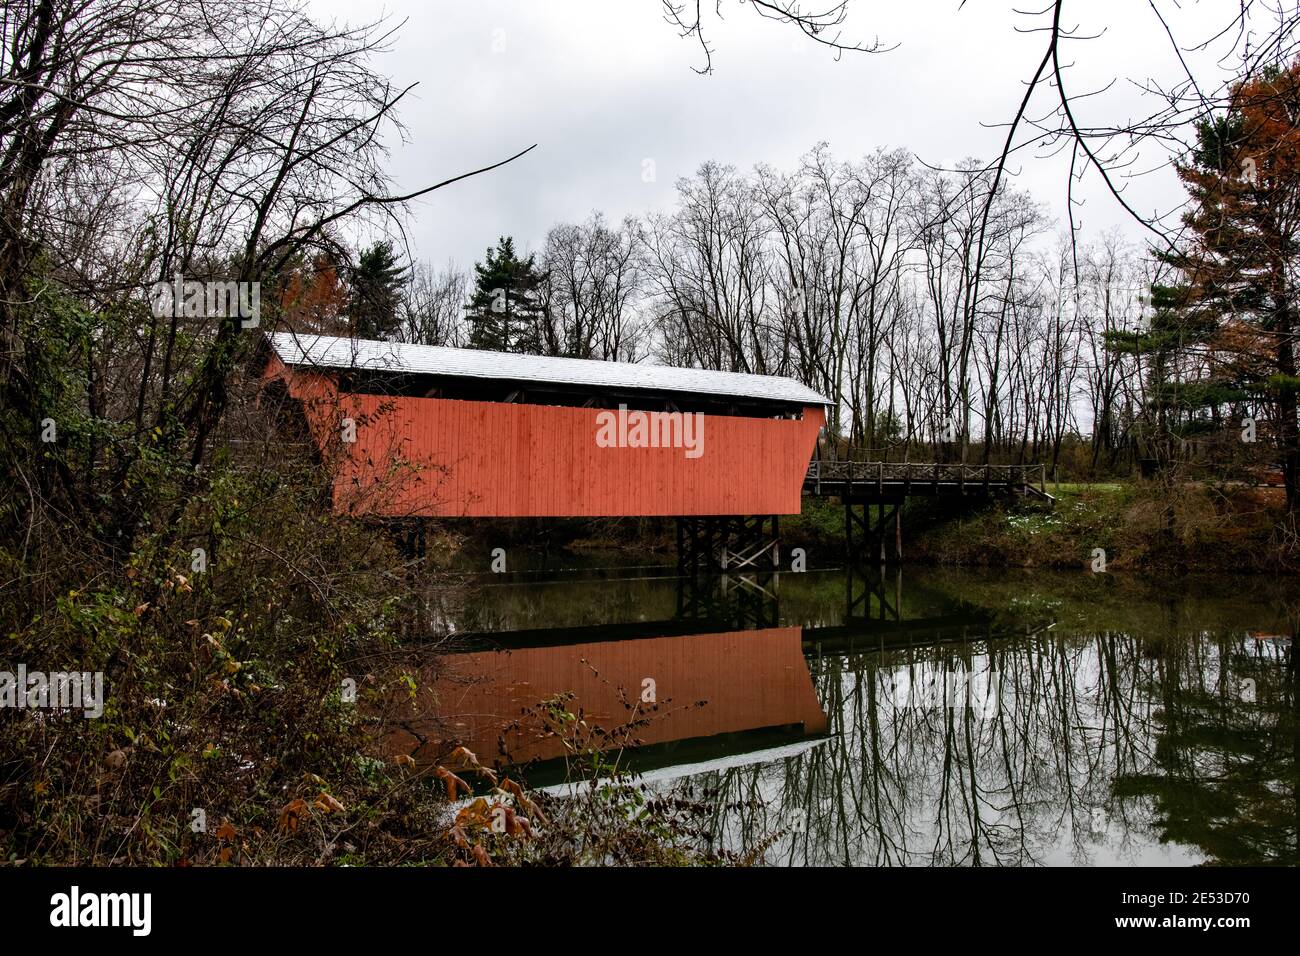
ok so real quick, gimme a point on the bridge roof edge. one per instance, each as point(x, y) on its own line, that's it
point(327, 352)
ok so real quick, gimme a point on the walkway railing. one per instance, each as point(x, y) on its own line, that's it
point(901, 475)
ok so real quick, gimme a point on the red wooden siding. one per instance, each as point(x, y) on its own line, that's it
point(438, 457)
point(748, 680)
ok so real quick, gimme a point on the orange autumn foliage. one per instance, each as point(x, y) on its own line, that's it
point(314, 299)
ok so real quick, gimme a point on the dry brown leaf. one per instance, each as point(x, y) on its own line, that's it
point(466, 759)
point(464, 755)
point(291, 815)
point(513, 788)
point(512, 820)
point(475, 814)
point(327, 804)
point(452, 782)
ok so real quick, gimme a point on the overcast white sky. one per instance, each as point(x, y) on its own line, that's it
point(604, 85)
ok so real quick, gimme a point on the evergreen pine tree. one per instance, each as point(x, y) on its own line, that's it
point(505, 312)
point(377, 281)
point(1174, 407)
point(1233, 316)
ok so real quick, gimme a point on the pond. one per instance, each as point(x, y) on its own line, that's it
point(887, 718)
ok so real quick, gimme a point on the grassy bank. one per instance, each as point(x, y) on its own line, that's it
point(1138, 526)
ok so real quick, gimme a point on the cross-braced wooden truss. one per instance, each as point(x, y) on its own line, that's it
point(874, 538)
point(716, 544)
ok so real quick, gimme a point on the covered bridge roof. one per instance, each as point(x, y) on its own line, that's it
point(298, 349)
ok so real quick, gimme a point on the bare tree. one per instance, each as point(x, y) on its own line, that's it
point(595, 277)
point(146, 139)
point(433, 307)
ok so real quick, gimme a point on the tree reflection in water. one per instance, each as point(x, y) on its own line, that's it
point(1129, 726)
point(1103, 745)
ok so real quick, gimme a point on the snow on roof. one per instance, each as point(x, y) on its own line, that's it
point(327, 351)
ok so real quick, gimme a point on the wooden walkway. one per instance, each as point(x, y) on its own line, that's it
point(892, 480)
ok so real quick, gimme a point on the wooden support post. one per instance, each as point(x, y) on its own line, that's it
point(776, 542)
point(898, 533)
point(848, 530)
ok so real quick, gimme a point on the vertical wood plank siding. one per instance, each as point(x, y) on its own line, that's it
point(438, 457)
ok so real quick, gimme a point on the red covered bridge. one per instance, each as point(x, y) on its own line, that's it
point(423, 431)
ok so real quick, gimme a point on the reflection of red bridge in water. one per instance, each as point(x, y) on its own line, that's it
point(730, 684)
point(415, 432)
point(714, 692)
